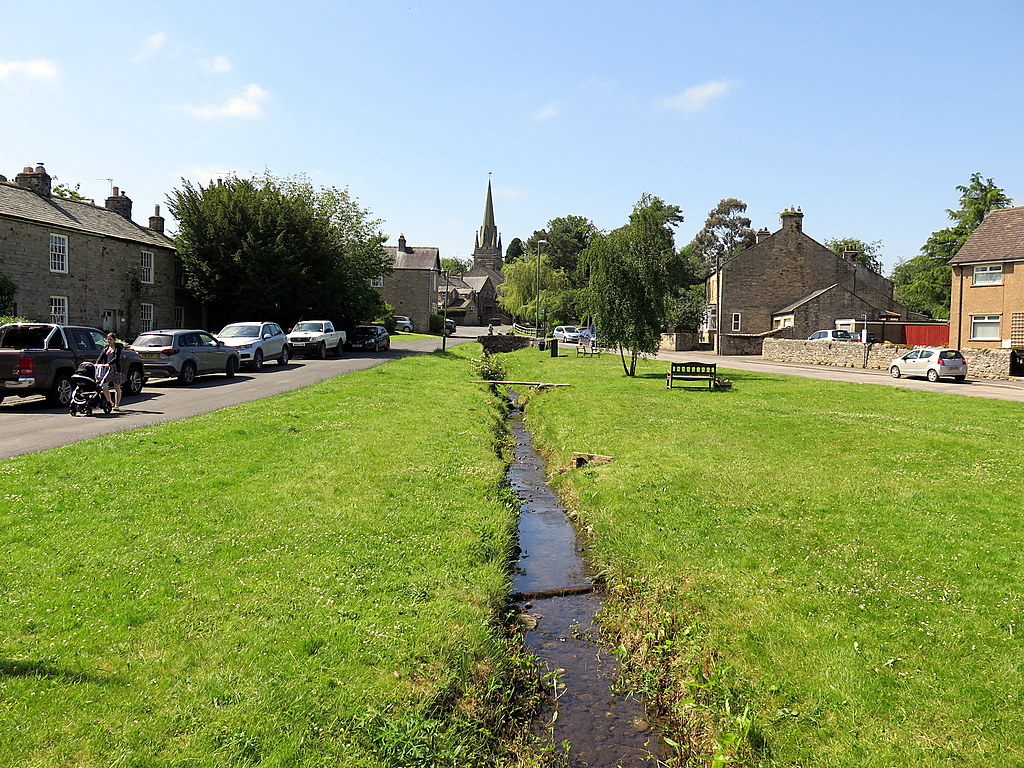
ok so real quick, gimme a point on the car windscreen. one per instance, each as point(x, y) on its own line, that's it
point(25, 336)
point(153, 340)
point(315, 327)
point(362, 332)
point(240, 331)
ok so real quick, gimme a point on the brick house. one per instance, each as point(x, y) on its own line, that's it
point(412, 287)
point(987, 299)
point(80, 263)
point(789, 285)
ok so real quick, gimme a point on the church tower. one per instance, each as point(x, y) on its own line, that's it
point(487, 248)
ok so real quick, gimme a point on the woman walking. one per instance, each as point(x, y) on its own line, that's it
point(111, 356)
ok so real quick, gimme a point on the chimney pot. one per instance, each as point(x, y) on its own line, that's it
point(37, 180)
point(119, 203)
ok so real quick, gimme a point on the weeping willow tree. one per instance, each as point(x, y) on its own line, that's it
point(630, 279)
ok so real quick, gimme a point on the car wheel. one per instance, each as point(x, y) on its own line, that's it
point(338, 349)
point(188, 374)
point(933, 375)
point(321, 351)
point(231, 367)
point(60, 392)
point(283, 359)
point(895, 371)
point(133, 385)
point(257, 360)
point(387, 345)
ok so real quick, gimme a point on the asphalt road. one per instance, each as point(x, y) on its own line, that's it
point(30, 424)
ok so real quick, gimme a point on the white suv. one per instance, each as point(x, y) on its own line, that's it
point(256, 342)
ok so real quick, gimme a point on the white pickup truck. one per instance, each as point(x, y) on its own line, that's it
point(315, 338)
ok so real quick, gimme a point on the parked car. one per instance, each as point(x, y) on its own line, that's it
point(374, 338)
point(831, 335)
point(404, 324)
point(449, 326)
point(931, 362)
point(567, 333)
point(40, 358)
point(873, 338)
point(184, 354)
point(256, 342)
point(314, 338)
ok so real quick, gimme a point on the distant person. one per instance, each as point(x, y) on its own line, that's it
point(490, 329)
point(111, 357)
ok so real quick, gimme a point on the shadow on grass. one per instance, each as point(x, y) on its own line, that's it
point(42, 669)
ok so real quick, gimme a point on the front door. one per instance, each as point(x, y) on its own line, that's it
point(108, 320)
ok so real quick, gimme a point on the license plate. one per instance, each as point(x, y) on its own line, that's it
point(148, 355)
point(298, 343)
point(955, 368)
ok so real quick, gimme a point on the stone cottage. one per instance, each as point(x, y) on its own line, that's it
point(79, 263)
point(789, 285)
point(412, 287)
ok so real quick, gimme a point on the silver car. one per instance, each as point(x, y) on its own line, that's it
point(567, 333)
point(256, 342)
point(930, 362)
point(184, 354)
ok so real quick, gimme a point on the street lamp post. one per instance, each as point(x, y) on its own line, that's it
point(444, 314)
point(539, 243)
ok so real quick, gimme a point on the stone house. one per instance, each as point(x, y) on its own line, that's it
point(412, 287)
point(789, 285)
point(987, 301)
point(79, 263)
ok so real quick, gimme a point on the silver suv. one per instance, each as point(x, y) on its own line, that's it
point(256, 342)
point(184, 354)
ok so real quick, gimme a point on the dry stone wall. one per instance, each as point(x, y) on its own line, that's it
point(981, 363)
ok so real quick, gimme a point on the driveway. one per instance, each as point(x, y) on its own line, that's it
point(30, 424)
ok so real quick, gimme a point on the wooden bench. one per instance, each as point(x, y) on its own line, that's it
point(692, 372)
point(588, 348)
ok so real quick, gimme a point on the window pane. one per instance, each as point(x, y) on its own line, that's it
point(988, 274)
point(985, 327)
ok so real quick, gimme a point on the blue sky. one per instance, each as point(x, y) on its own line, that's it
point(866, 115)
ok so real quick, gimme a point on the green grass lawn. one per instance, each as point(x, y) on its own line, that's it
point(829, 574)
point(307, 580)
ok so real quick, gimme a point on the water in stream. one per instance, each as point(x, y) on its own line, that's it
point(604, 729)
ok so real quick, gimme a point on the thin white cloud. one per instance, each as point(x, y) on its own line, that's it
point(39, 69)
point(218, 65)
point(248, 105)
point(548, 111)
point(151, 46)
point(698, 97)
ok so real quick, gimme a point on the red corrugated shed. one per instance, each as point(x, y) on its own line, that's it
point(926, 335)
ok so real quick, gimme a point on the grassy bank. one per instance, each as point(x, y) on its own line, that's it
point(804, 572)
point(307, 580)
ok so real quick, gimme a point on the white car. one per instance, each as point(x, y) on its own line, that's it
point(831, 335)
point(404, 323)
point(567, 333)
point(930, 362)
point(256, 342)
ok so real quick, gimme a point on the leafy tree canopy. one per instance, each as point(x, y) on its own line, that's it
point(517, 295)
point(922, 284)
point(278, 249)
point(726, 232)
point(630, 282)
point(868, 254)
point(70, 193)
point(456, 266)
point(515, 251)
point(567, 237)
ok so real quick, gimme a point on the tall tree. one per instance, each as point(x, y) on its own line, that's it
point(567, 237)
point(923, 283)
point(868, 254)
point(726, 232)
point(518, 294)
point(630, 281)
point(515, 251)
point(455, 266)
point(266, 247)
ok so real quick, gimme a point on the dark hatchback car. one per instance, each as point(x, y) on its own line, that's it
point(372, 338)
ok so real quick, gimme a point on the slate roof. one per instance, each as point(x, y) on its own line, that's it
point(415, 258)
point(477, 282)
point(76, 215)
point(483, 271)
point(1000, 237)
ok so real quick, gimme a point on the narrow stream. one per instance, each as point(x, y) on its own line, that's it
point(604, 729)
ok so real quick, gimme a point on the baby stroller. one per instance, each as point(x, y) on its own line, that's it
point(87, 392)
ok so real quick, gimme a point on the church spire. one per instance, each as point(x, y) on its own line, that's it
point(487, 249)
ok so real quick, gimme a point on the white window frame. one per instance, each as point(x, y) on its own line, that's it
point(146, 263)
point(737, 322)
point(59, 310)
point(988, 274)
point(145, 317)
point(377, 282)
point(985, 322)
point(59, 254)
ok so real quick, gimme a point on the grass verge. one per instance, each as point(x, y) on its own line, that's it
point(306, 580)
point(803, 572)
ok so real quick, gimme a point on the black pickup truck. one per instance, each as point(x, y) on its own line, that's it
point(39, 358)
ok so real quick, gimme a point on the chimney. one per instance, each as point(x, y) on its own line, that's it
point(792, 219)
point(762, 234)
point(120, 204)
point(156, 221)
point(401, 243)
point(850, 253)
point(37, 180)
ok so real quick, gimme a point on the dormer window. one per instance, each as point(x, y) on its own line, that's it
point(988, 274)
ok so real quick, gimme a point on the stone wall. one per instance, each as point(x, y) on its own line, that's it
point(681, 341)
point(412, 293)
point(498, 343)
point(981, 363)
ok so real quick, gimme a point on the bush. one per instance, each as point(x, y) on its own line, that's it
point(489, 367)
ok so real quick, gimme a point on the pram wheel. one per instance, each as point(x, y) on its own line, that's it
point(107, 407)
point(88, 410)
point(73, 410)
